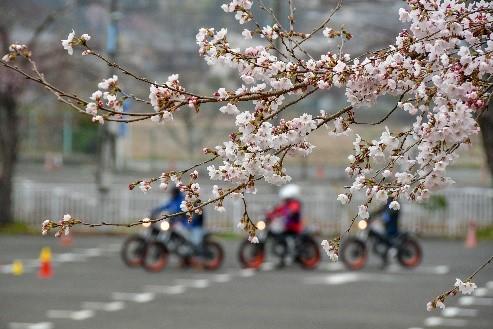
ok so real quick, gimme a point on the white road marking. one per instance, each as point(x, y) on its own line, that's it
point(348, 277)
point(332, 266)
point(470, 300)
point(168, 290)
point(415, 328)
point(90, 252)
point(73, 315)
point(437, 321)
point(267, 266)
point(481, 292)
point(198, 283)
point(68, 258)
point(108, 307)
point(451, 312)
point(6, 269)
point(439, 269)
point(39, 325)
point(143, 297)
point(221, 277)
point(27, 264)
point(247, 272)
point(113, 247)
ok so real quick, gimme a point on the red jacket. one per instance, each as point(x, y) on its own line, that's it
point(290, 210)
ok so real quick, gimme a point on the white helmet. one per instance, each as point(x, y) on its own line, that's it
point(290, 191)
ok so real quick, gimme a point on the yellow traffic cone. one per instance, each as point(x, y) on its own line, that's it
point(45, 268)
point(17, 268)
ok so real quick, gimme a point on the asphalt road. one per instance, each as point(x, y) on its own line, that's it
point(91, 288)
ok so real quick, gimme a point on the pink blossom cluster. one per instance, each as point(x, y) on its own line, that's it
point(166, 98)
point(105, 97)
point(438, 66)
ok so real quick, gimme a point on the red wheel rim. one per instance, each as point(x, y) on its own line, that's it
point(135, 262)
point(213, 264)
point(413, 261)
point(159, 265)
point(256, 261)
point(358, 264)
point(312, 261)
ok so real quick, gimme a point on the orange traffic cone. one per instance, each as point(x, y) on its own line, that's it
point(471, 239)
point(66, 240)
point(45, 268)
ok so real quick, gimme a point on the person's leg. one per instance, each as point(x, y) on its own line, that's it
point(196, 237)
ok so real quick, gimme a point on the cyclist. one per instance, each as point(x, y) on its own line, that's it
point(390, 218)
point(289, 209)
point(172, 206)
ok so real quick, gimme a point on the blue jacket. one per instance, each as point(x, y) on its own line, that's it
point(172, 206)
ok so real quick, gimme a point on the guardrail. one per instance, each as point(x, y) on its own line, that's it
point(34, 202)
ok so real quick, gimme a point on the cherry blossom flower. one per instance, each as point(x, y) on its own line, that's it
point(85, 37)
point(45, 226)
point(98, 118)
point(466, 288)
point(67, 43)
point(229, 109)
point(363, 212)
point(253, 239)
point(109, 83)
point(394, 205)
point(246, 34)
point(144, 186)
point(330, 250)
point(343, 198)
point(92, 108)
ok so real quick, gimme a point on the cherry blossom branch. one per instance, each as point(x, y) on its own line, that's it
point(467, 287)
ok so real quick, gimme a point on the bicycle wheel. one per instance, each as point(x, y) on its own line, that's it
point(354, 253)
point(409, 253)
point(213, 255)
point(155, 257)
point(309, 253)
point(251, 255)
point(132, 251)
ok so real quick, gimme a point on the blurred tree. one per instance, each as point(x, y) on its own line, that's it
point(486, 124)
point(11, 88)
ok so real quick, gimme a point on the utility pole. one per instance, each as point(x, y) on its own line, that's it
point(107, 132)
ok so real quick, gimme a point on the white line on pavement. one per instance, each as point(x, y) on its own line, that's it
point(113, 247)
point(143, 297)
point(169, 290)
point(439, 269)
point(437, 321)
point(6, 269)
point(348, 277)
point(246, 272)
point(332, 267)
point(69, 257)
point(224, 277)
point(73, 315)
point(451, 312)
point(198, 283)
point(39, 325)
point(481, 292)
point(267, 266)
point(90, 252)
point(108, 307)
point(470, 300)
